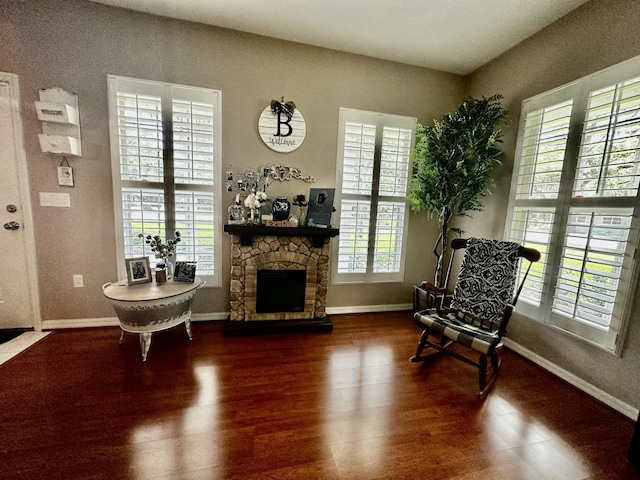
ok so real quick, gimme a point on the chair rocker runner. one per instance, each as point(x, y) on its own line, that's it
point(481, 305)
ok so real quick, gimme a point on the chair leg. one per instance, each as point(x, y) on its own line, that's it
point(482, 379)
point(487, 373)
point(421, 344)
point(495, 363)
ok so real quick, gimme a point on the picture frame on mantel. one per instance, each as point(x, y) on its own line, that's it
point(320, 207)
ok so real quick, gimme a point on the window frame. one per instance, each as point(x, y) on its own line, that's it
point(381, 120)
point(611, 339)
point(163, 90)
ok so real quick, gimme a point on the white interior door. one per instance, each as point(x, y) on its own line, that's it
point(19, 305)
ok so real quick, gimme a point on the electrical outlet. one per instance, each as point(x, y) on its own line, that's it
point(78, 281)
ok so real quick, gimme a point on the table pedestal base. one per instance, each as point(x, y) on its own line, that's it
point(145, 338)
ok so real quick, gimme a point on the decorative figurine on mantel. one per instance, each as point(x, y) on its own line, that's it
point(300, 200)
point(255, 201)
point(236, 212)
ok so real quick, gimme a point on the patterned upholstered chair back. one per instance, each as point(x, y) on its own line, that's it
point(487, 279)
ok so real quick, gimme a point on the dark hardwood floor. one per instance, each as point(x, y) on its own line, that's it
point(341, 405)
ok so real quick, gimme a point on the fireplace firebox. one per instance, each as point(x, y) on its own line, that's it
point(280, 291)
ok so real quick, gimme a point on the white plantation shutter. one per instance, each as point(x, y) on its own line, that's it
point(142, 210)
point(387, 254)
point(353, 241)
point(167, 153)
point(544, 144)
point(194, 164)
point(392, 191)
point(140, 147)
point(194, 214)
point(542, 150)
point(591, 266)
point(575, 198)
point(358, 159)
point(139, 120)
point(193, 142)
point(395, 160)
point(533, 227)
point(357, 182)
point(609, 160)
point(373, 159)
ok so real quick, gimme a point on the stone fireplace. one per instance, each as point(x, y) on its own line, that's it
point(257, 247)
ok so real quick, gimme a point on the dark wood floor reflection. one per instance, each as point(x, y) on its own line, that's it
point(341, 405)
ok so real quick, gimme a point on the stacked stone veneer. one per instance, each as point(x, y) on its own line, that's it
point(278, 253)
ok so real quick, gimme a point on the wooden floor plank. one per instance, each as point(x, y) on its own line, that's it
point(345, 404)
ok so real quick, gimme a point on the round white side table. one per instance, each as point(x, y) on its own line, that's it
point(149, 307)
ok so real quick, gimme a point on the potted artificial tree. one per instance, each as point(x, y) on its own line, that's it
point(453, 164)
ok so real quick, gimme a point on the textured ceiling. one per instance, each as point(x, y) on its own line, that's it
point(455, 36)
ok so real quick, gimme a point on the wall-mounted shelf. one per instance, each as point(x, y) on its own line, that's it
point(60, 145)
point(59, 113)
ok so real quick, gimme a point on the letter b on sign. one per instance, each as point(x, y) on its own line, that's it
point(286, 122)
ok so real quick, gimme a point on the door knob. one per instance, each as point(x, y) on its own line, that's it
point(11, 226)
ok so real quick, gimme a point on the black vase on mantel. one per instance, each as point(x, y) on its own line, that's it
point(281, 208)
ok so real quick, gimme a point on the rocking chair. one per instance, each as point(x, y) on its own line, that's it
point(481, 305)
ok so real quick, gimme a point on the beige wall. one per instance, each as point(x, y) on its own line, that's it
point(74, 44)
point(597, 35)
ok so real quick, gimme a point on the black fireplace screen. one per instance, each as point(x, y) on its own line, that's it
point(280, 291)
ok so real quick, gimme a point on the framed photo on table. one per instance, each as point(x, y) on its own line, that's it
point(185, 272)
point(138, 270)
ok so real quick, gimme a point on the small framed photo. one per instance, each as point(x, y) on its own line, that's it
point(320, 207)
point(185, 272)
point(138, 270)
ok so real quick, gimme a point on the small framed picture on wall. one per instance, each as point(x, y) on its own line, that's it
point(138, 270)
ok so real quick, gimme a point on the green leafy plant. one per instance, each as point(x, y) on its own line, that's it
point(453, 165)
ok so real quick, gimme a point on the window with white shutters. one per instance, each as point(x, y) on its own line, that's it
point(373, 172)
point(165, 143)
point(575, 198)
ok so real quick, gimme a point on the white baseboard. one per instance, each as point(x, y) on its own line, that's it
point(113, 321)
point(214, 316)
point(80, 323)
point(613, 402)
point(208, 317)
point(369, 308)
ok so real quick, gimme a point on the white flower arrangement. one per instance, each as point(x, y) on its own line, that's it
point(255, 200)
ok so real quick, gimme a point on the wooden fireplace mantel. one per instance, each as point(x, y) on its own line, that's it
point(247, 232)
